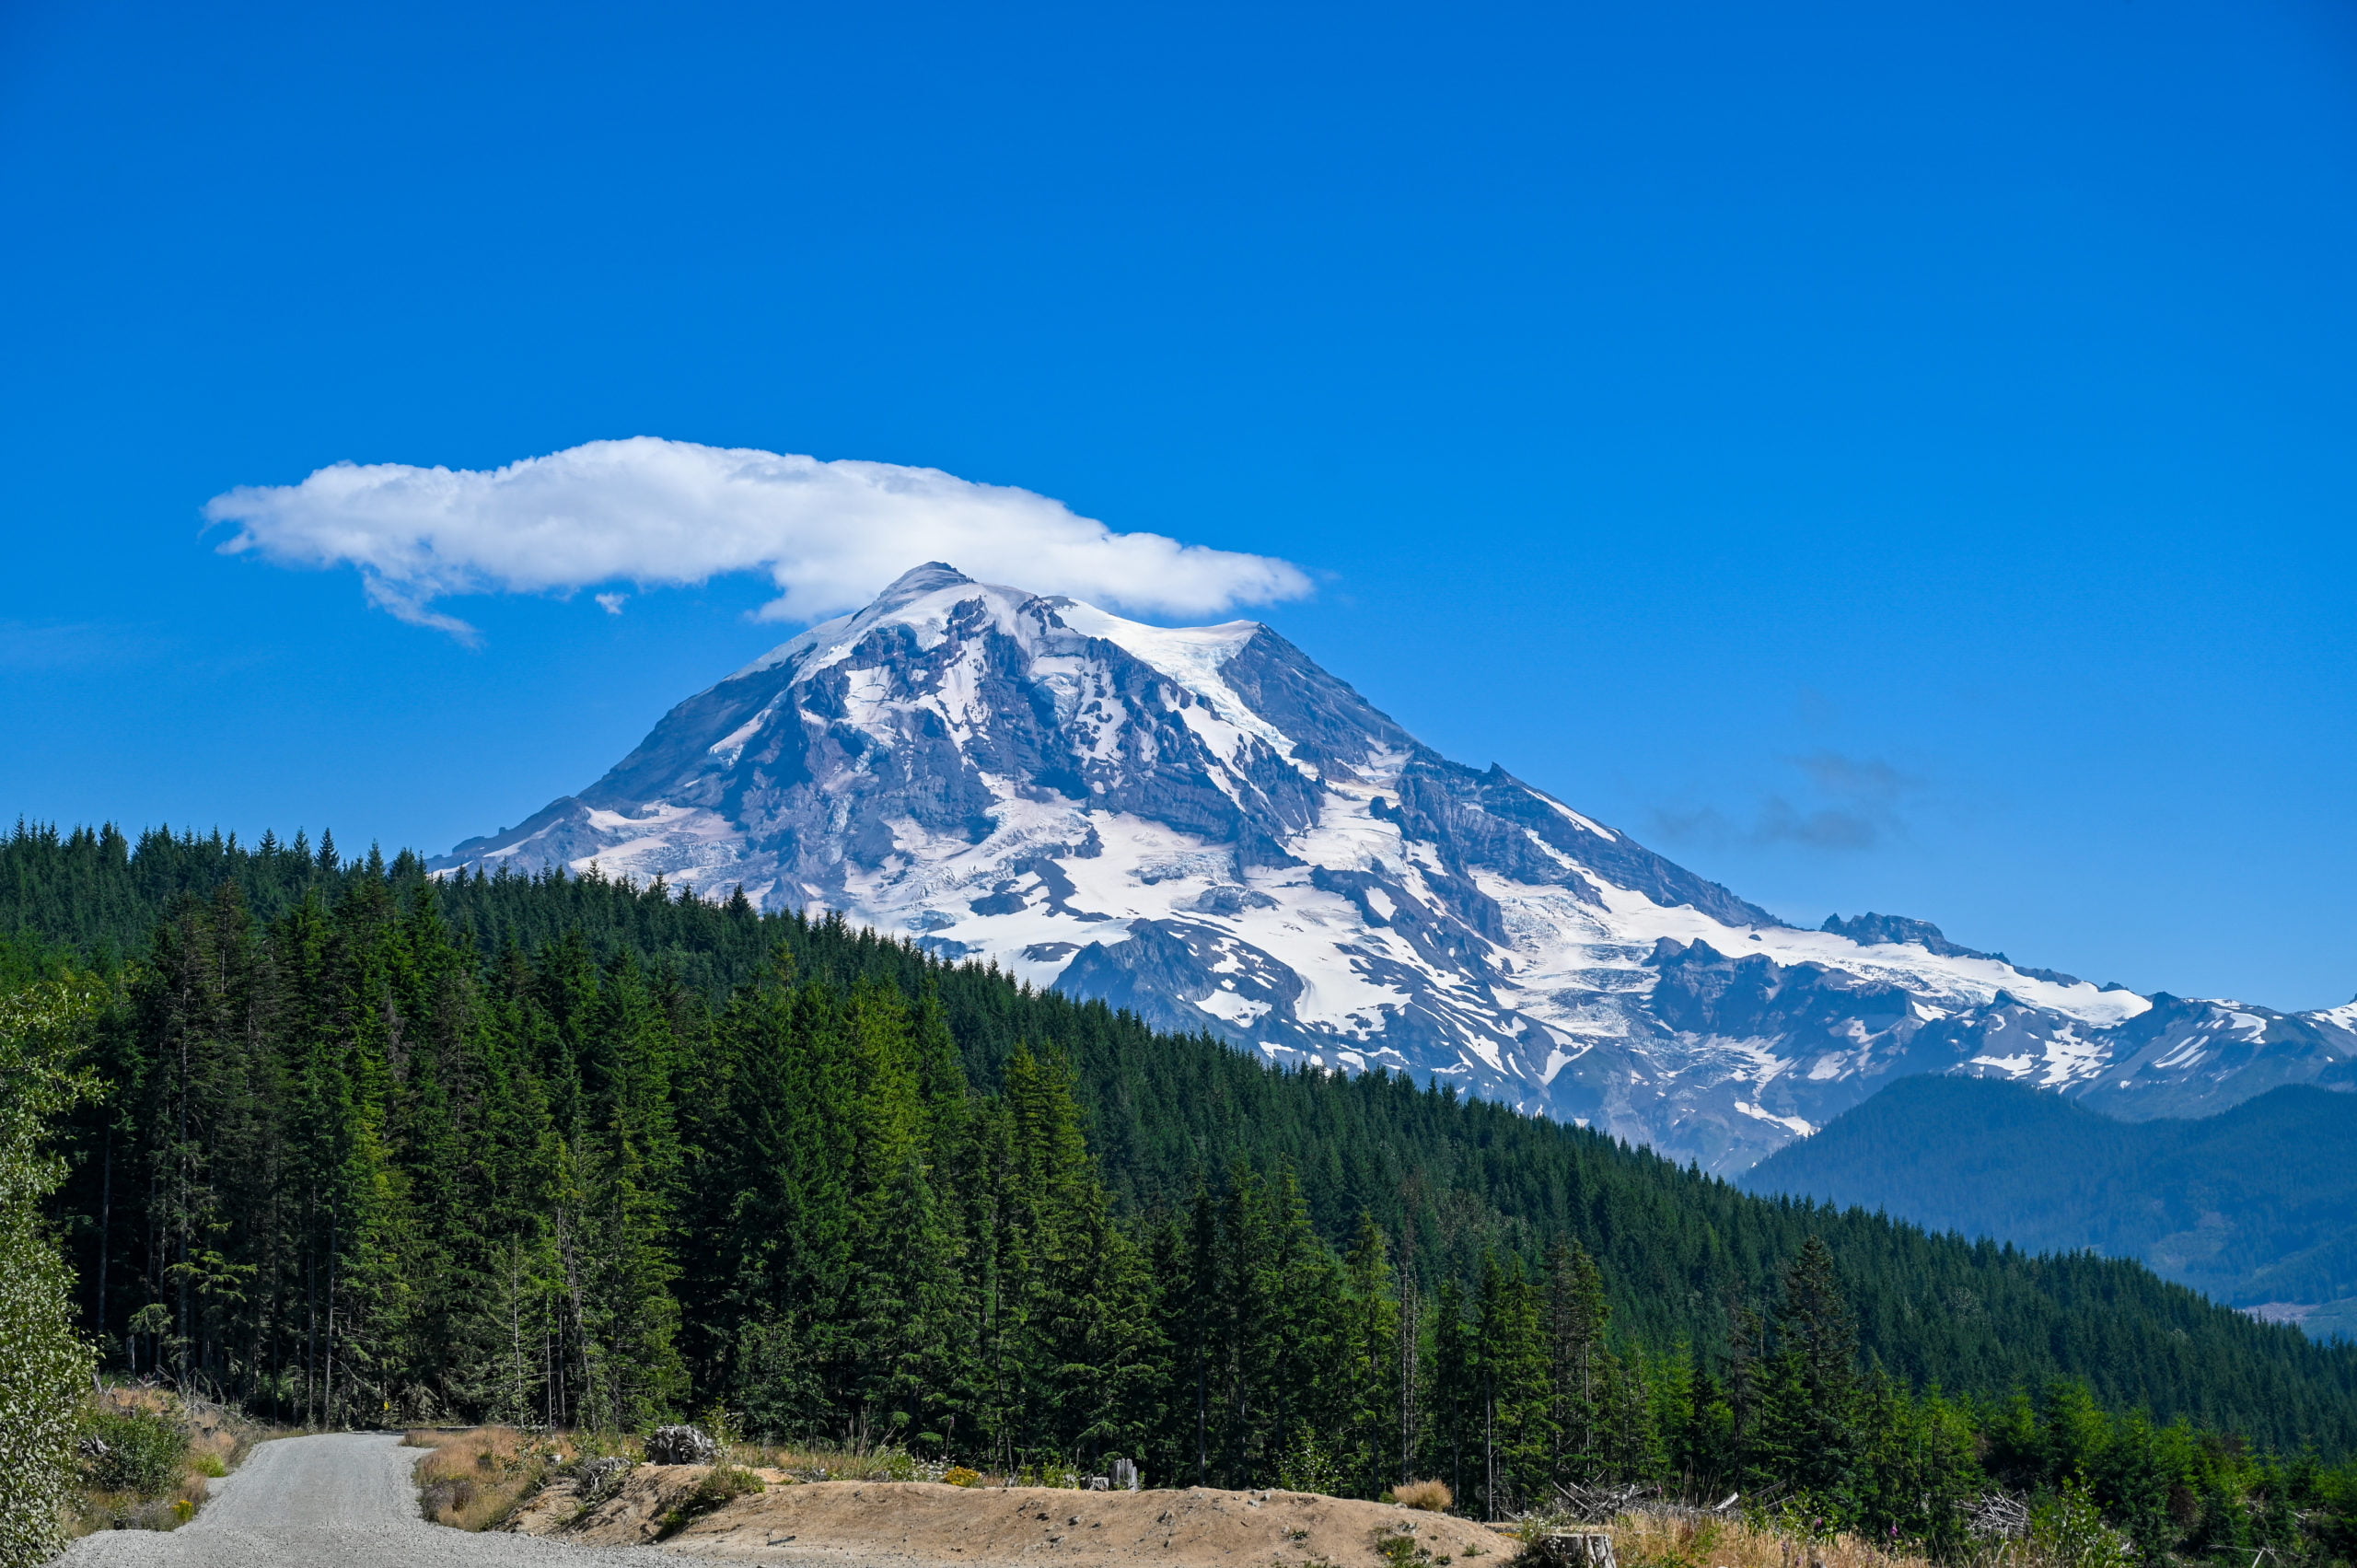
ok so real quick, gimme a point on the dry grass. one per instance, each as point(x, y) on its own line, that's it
point(819, 1461)
point(1432, 1496)
point(1691, 1538)
point(476, 1477)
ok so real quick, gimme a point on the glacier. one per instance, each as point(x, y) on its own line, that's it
point(1201, 825)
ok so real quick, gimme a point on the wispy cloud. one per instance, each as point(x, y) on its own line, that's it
point(1847, 804)
point(655, 513)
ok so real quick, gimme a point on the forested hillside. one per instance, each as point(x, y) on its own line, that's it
point(2258, 1203)
point(378, 1146)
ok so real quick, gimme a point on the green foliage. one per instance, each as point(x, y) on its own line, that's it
point(1810, 1408)
point(1443, 1180)
point(1310, 1466)
point(43, 1364)
point(2067, 1530)
point(133, 1449)
point(2257, 1204)
point(561, 1151)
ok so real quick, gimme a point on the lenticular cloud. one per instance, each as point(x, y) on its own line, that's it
point(655, 513)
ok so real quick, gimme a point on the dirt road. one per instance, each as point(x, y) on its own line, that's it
point(351, 1502)
point(344, 1501)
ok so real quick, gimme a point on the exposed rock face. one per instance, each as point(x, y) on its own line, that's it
point(1204, 826)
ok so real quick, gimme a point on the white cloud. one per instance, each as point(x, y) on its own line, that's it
point(612, 603)
point(653, 513)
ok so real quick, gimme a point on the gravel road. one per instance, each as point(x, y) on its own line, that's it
point(343, 1501)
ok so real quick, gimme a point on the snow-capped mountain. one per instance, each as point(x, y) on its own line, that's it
point(1202, 826)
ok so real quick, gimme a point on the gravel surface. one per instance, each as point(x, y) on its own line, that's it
point(343, 1500)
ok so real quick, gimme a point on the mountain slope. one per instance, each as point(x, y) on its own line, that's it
point(1202, 826)
point(2256, 1206)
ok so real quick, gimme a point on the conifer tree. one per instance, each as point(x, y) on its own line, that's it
point(1511, 1352)
point(1248, 1286)
point(1074, 1330)
point(1917, 1470)
point(1577, 1315)
point(1369, 1363)
point(905, 1313)
point(1306, 1404)
point(1454, 1423)
point(1632, 1450)
point(1809, 1430)
point(1194, 1292)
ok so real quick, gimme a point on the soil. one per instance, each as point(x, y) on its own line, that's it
point(852, 1524)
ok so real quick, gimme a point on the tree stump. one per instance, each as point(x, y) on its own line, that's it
point(681, 1446)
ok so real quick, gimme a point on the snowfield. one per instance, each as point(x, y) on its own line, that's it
point(1202, 826)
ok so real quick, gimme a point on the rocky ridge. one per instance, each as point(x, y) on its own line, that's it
point(1202, 826)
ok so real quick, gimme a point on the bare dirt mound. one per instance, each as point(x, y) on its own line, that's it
point(850, 1524)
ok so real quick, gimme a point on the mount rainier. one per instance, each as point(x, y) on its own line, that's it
point(1202, 826)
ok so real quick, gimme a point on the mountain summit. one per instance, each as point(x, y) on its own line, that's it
point(1202, 825)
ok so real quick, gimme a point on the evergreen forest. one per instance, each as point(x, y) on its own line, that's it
point(368, 1147)
point(2256, 1204)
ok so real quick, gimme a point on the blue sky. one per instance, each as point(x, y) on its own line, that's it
point(1892, 457)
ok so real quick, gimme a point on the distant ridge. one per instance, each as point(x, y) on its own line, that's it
point(2255, 1206)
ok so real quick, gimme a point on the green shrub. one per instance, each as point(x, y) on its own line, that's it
point(2068, 1532)
point(1398, 1547)
point(1310, 1466)
point(133, 1450)
point(43, 1363)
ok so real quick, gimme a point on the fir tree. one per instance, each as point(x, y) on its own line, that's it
point(1809, 1429)
point(1577, 1314)
point(1369, 1365)
point(1453, 1426)
point(1511, 1354)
